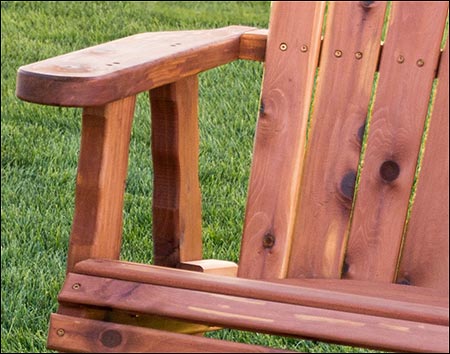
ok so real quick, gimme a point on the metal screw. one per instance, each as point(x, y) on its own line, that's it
point(400, 59)
point(60, 332)
point(268, 241)
point(420, 63)
point(283, 47)
point(304, 48)
point(338, 53)
point(76, 286)
point(358, 55)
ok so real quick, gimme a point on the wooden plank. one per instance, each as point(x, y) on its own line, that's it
point(409, 294)
point(211, 266)
point(280, 137)
point(102, 171)
point(406, 305)
point(177, 224)
point(132, 319)
point(407, 70)
point(89, 336)
point(253, 45)
point(347, 66)
point(127, 66)
point(261, 316)
point(424, 260)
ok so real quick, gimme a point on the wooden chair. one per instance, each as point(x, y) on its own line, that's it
point(316, 262)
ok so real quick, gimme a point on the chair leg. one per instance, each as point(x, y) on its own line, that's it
point(100, 186)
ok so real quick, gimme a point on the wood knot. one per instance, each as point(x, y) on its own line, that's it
point(361, 131)
point(367, 5)
point(261, 108)
point(348, 185)
point(111, 338)
point(345, 268)
point(404, 281)
point(389, 170)
point(268, 240)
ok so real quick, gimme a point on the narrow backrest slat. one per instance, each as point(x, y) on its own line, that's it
point(347, 67)
point(291, 58)
point(407, 70)
point(424, 261)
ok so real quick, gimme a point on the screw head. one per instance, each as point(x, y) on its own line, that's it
point(268, 241)
point(304, 48)
point(358, 55)
point(76, 286)
point(338, 53)
point(400, 59)
point(420, 63)
point(60, 332)
point(283, 47)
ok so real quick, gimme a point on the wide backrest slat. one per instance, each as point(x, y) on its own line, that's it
point(407, 70)
point(424, 260)
point(347, 67)
point(291, 59)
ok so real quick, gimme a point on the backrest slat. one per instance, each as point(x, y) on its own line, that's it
point(407, 70)
point(347, 67)
point(291, 59)
point(424, 260)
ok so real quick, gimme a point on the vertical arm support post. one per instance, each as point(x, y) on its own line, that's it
point(177, 221)
point(100, 185)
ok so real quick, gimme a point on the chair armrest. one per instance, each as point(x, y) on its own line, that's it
point(124, 67)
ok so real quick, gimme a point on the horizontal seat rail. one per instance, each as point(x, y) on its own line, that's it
point(241, 310)
point(262, 290)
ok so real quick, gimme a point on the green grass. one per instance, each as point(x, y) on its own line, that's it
point(40, 146)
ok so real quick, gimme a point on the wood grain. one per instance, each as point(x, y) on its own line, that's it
point(407, 303)
point(280, 138)
point(262, 316)
point(211, 266)
point(102, 171)
point(347, 66)
point(402, 97)
point(127, 66)
point(424, 260)
point(253, 45)
point(177, 224)
point(90, 336)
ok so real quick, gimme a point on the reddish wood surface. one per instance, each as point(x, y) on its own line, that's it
point(280, 138)
point(396, 303)
point(102, 171)
point(250, 314)
point(414, 34)
point(127, 66)
point(177, 224)
point(253, 45)
point(211, 266)
point(89, 336)
point(340, 108)
point(424, 260)
point(132, 318)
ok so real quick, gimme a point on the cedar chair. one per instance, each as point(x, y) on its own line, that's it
point(318, 260)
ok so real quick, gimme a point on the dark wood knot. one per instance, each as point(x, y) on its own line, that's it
point(111, 338)
point(268, 240)
point(261, 108)
point(366, 4)
point(404, 281)
point(361, 131)
point(389, 170)
point(348, 185)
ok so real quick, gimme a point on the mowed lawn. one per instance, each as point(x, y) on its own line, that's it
point(40, 146)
